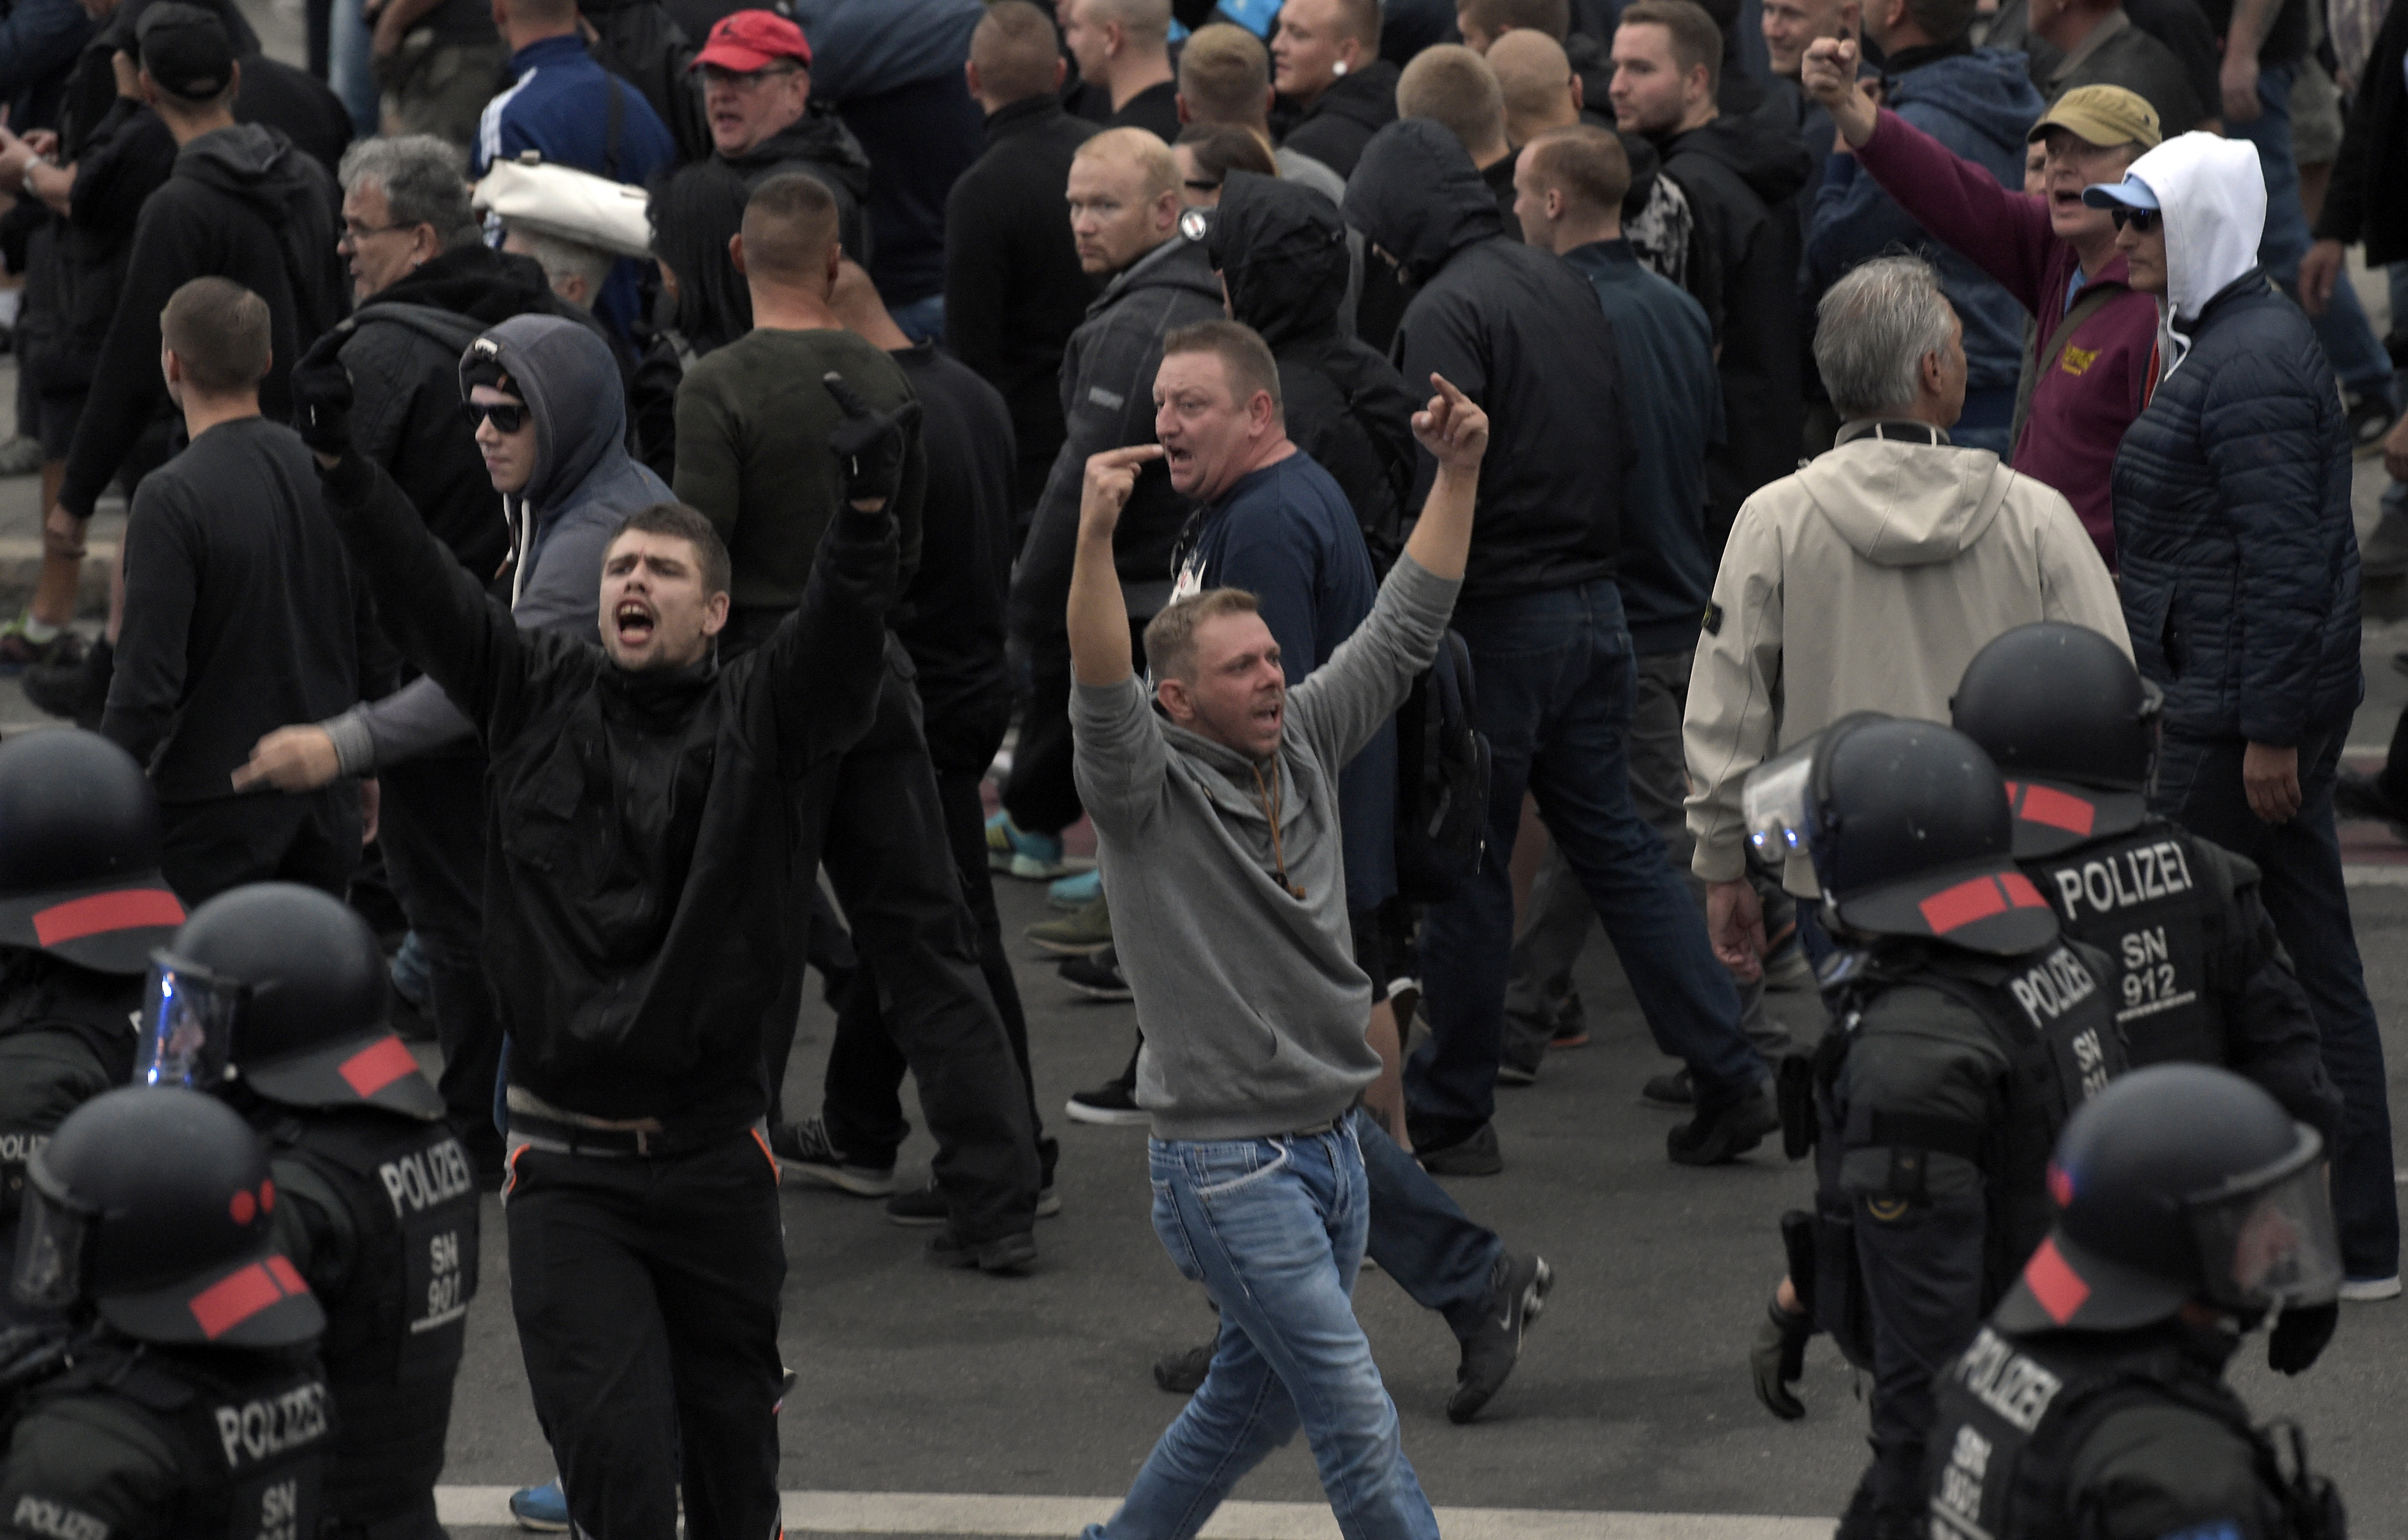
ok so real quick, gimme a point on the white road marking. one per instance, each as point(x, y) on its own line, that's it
point(975, 1513)
point(2367, 874)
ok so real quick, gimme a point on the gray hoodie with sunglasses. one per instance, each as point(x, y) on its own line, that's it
point(584, 486)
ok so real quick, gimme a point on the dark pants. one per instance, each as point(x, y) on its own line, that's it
point(646, 1296)
point(311, 838)
point(1923, 1272)
point(1556, 680)
point(1421, 1237)
point(433, 834)
point(921, 136)
point(2198, 786)
point(1039, 794)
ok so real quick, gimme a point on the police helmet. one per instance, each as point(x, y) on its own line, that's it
point(2180, 1182)
point(2071, 724)
point(1908, 827)
point(80, 840)
point(154, 1204)
point(287, 987)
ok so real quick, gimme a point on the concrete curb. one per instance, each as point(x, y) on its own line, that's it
point(20, 572)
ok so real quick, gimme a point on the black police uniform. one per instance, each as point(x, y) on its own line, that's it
point(67, 1034)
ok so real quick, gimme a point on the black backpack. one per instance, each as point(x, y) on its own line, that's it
point(1442, 780)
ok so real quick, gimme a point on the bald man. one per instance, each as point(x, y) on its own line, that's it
point(1225, 81)
point(1454, 88)
point(1122, 49)
point(1536, 78)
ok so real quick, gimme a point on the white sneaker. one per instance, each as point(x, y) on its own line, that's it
point(2367, 1291)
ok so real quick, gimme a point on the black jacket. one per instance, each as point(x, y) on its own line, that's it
point(405, 371)
point(2367, 199)
point(817, 144)
point(1337, 127)
point(1520, 332)
point(645, 847)
point(244, 205)
point(1281, 252)
point(1741, 174)
point(1013, 287)
point(951, 619)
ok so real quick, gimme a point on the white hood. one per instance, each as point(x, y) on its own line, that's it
point(2213, 194)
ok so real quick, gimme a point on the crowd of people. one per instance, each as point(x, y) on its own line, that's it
point(1855, 496)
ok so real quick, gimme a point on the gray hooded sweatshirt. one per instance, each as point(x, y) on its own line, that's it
point(1234, 941)
point(583, 487)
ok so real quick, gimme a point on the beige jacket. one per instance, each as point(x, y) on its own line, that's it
point(1867, 582)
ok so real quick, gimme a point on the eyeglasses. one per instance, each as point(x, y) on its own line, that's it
point(505, 416)
point(747, 79)
point(2143, 220)
point(353, 234)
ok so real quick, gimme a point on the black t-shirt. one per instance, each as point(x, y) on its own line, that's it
point(2286, 37)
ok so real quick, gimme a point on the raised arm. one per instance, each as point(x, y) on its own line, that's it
point(1099, 619)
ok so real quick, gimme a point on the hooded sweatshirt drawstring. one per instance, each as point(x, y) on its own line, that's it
point(1269, 797)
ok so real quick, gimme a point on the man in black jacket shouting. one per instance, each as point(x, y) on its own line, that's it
point(643, 843)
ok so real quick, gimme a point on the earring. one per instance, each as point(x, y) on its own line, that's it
point(1338, 68)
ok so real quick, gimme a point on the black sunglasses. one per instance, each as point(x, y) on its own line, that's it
point(506, 416)
point(2143, 220)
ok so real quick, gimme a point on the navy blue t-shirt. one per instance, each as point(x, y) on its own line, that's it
point(1286, 535)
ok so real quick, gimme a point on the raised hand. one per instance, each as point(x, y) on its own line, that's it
point(869, 444)
point(1451, 427)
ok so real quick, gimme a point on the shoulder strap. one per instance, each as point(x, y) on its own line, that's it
point(2093, 296)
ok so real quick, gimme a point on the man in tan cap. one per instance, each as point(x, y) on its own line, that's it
point(2089, 362)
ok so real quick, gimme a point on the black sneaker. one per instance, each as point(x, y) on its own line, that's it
point(1517, 1291)
point(1098, 977)
point(1112, 1104)
point(1008, 1254)
point(1725, 1132)
point(1474, 1155)
point(1673, 1090)
point(1180, 1373)
point(805, 1152)
point(926, 1205)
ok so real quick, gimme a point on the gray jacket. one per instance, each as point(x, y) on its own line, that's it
point(583, 487)
point(1252, 1006)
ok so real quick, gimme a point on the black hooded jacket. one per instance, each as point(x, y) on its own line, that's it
point(1281, 252)
point(405, 366)
point(244, 205)
point(1341, 121)
point(1522, 334)
point(1741, 174)
point(817, 144)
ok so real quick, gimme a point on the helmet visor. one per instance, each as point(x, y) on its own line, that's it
point(2267, 1240)
point(188, 1018)
point(51, 1234)
point(1773, 801)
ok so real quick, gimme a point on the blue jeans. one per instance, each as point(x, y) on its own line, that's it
point(1273, 1229)
point(1556, 680)
point(2348, 339)
point(1421, 1237)
point(349, 65)
point(922, 320)
point(2198, 786)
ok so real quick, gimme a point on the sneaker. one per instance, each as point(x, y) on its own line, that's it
point(1098, 977)
point(1180, 1373)
point(2371, 417)
point(2368, 1290)
point(1112, 1104)
point(1075, 935)
point(925, 1205)
point(1517, 1292)
point(1015, 852)
point(1077, 890)
point(1572, 1025)
point(1674, 1090)
point(1474, 1155)
point(77, 691)
point(805, 1152)
point(1725, 1132)
point(20, 455)
point(544, 1508)
point(18, 651)
point(1015, 1253)
point(1512, 1072)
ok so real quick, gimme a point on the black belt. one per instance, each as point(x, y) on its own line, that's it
point(578, 1138)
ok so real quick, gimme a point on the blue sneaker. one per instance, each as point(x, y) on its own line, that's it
point(544, 1508)
point(1031, 857)
point(1077, 890)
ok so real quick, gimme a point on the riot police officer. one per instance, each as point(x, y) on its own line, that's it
point(192, 1404)
point(82, 905)
point(380, 1208)
point(1965, 1032)
point(2199, 973)
point(2094, 1401)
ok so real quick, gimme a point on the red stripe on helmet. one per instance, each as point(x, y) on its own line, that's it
point(1954, 908)
point(2054, 1283)
point(2020, 891)
point(234, 1300)
point(2058, 810)
point(102, 912)
point(377, 1066)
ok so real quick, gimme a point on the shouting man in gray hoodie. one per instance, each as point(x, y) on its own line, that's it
point(1215, 806)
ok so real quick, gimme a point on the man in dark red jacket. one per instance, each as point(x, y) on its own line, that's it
point(2083, 383)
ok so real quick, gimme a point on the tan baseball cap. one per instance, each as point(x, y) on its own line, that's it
point(2104, 115)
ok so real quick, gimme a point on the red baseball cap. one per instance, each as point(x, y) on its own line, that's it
point(747, 40)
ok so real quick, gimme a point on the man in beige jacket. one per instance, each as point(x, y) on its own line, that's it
point(1867, 580)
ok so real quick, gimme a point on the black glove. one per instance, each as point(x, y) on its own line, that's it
point(869, 444)
point(322, 394)
point(1779, 1359)
point(2299, 1336)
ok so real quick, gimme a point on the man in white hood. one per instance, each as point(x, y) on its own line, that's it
point(2239, 585)
point(1867, 580)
